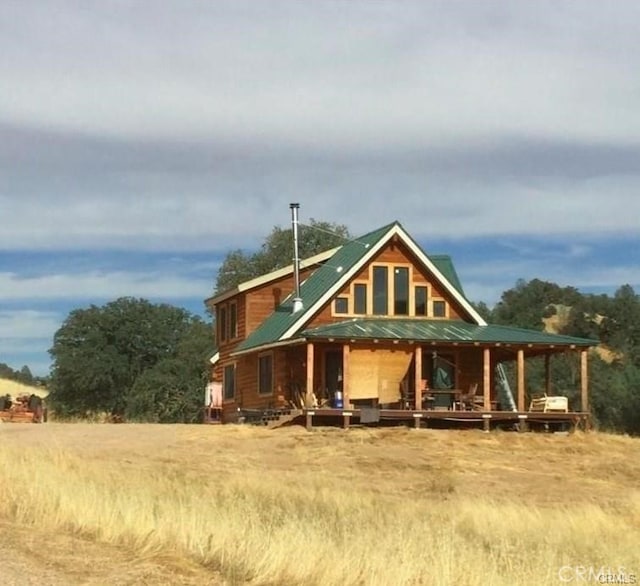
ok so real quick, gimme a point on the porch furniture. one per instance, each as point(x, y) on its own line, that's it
point(471, 401)
point(445, 399)
point(547, 404)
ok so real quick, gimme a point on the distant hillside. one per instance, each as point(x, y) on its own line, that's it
point(555, 323)
point(15, 388)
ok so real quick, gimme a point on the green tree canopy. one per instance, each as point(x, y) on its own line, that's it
point(23, 375)
point(99, 353)
point(615, 383)
point(277, 252)
point(528, 302)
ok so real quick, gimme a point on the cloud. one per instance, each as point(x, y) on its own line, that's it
point(406, 73)
point(24, 325)
point(179, 203)
point(102, 286)
point(486, 279)
point(157, 127)
point(184, 130)
point(25, 336)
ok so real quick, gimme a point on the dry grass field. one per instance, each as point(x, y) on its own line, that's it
point(151, 504)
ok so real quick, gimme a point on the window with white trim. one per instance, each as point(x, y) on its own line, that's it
point(439, 308)
point(421, 297)
point(233, 320)
point(222, 323)
point(360, 299)
point(341, 305)
point(400, 290)
point(380, 290)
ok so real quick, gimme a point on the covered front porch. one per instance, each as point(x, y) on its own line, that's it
point(419, 377)
point(428, 372)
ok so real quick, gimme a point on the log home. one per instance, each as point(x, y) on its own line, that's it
point(376, 329)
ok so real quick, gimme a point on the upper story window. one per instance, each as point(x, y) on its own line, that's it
point(341, 305)
point(360, 299)
point(380, 290)
point(227, 321)
point(421, 300)
point(390, 291)
point(439, 308)
point(222, 324)
point(401, 291)
point(233, 320)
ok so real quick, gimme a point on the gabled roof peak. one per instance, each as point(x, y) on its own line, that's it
point(346, 261)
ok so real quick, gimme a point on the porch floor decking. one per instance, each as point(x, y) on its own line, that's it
point(421, 418)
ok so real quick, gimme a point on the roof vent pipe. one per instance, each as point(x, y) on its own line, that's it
point(297, 300)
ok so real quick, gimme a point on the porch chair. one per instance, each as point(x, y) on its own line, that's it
point(549, 404)
point(471, 401)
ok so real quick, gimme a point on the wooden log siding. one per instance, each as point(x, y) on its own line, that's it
point(262, 301)
point(294, 375)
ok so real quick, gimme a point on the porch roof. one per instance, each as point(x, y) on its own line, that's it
point(429, 330)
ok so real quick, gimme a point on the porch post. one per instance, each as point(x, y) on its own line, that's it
point(547, 374)
point(486, 378)
point(308, 402)
point(584, 380)
point(346, 379)
point(521, 406)
point(418, 378)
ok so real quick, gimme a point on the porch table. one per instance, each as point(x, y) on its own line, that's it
point(448, 398)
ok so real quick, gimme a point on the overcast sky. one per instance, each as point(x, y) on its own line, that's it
point(141, 141)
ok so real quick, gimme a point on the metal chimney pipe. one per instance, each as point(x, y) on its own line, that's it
point(297, 300)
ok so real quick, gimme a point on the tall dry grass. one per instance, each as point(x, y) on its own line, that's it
point(302, 526)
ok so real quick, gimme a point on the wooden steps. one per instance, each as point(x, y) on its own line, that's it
point(272, 418)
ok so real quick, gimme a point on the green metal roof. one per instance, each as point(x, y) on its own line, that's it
point(426, 330)
point(444, 264)
point(313, 288)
